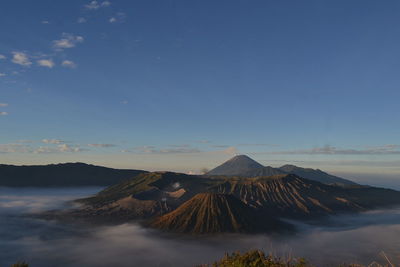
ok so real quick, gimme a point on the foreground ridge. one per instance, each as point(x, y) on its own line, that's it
point(214, 213)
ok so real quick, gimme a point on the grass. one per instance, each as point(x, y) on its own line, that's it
point(20, 264)
point(257, 258)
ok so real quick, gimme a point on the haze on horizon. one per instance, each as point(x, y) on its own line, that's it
point(183, 85)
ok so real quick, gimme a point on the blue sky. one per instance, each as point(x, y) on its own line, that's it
point(182, 85)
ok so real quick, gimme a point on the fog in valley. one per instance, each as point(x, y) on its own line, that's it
point(356, 238)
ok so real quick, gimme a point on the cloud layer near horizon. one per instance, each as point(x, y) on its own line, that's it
point(358, 238)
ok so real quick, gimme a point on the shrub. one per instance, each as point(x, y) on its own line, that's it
point(20, 264)
point(257, 258)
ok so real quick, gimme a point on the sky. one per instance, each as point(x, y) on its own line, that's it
point(185, 85)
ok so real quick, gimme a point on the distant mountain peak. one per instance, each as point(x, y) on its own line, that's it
point(236, 166)
point(244, 166)
point(289, 166)
point(241, 156)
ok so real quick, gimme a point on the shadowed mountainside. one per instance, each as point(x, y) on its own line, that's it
point(244, 166)
point(208, 213)
point(184, 201)
point(67, 174)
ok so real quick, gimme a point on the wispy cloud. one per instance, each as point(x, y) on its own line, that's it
point(178, 150)
point(93, 5)
point(81, 20)
point(231, 151)
point(331, 150)
point(105, 3)
point(13, 148)
point(21, 58)
point(258, 144)
point(2, 56)
point(45, 22)
point(154, 150)
point(180, 146)
point(49, 63)
point(68, 148)
point(3, 104)
point(44, 149)
point(63, 148)
point(68, 64)
point(52, 141)
point(220, 146)
point(3, 113)
point(2, 74)
point(25, 141)
point(101, 145)
point(67, 41)
point(203, 141)
point(119, 17)
point(28, 147)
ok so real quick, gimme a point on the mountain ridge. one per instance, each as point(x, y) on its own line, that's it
point(62, 174)
point(240, 166)
point(158, 200)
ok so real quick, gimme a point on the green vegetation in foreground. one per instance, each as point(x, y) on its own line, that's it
point(20, 264)
point(257, 258)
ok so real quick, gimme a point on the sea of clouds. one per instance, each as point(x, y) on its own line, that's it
point(347, 238)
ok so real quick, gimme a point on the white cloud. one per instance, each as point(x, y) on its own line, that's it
point(2, 56)
point(67, 148)
point(45, 22)
point(93, 5)
point(59, 148)
point(3, 113)
point(106, 3)
point(49, 63)
point(3, 105)
point(21, 58)
point(101, 145)
point(119, 17)
point(67, 41)
point(2, 74)
point(81, 20)
point(52, 141)
point(68, 64)
point(231, 151)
